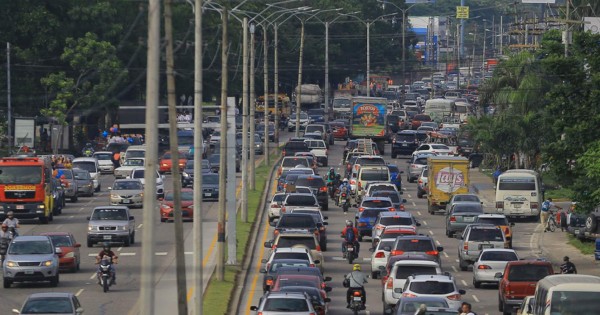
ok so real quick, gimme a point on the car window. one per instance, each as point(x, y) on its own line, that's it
point(286, 305)
point(480, 235)
point(128, 185)
point(310, 181)
point(285, 241)
point(296, 221)
point(375, 175)
point(210, 180)
point(370, 213)
point(134, 162)
point(185, 196)
point(47, 306)
point(494, 221)
point(303, 256)
point(300, 200)
point(498, 256)
point(396, 221)
point(403, 272)
point(516, 184)
point(528, 272)
point(279, 198)
point(412, 307)
point(109, 214)
point(278, 264)
point(439, 147)
point(61, 240)
point(103, 156)
point(405, 137)
point(467, 208)
point(420, 161)
point(393, 169)
point(291, 162)
point(135, 153)
point(30, 248)
point(82, 175)
point(376, 204)
point(392, 195)
point(466, 198)
point(432, 287)
point(414, 245)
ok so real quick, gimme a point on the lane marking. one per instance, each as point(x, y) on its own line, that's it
point(93, 276)
point(140, 226)
point(457, 260)
point(71, 216)
point(414, 204)
point(475, 298)
point(424, 222)
point(445, 254)
point(79, 292)
point(438, 243)
point(454, 269)
point(431, 232)
point(161, 254)
point(58, 227)
point(409, 196)
point(419, 212)
point(119, 249)
point(188, 253)
point(464, 282)
point(127, 254)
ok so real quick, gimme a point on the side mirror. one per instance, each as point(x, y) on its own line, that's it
point(262, 271)
point(418, 224)
point(87, 218)
point(131, 218)
point(440, 248)
point(325, 218)
point(272, 223)
point(327, 279)
point(372, 249)
point(253, 308)
point(397, 290)
point(79, 310)
point(403, 200)
point(327, 289)
point(317, 262)
point(77, 245)
point(16, 311)
point(268, 244)
point(498, 275)
point(264, 261)
point(462, 292)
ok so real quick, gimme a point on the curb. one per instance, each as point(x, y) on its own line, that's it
point(242, 276)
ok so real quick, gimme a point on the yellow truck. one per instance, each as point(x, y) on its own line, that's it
point(448, 176)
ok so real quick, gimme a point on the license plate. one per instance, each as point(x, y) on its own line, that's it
point(207, 194)
point(357, 298)
point(20, 207)
point(107, 237)
point(483, 246)
point(350, 249)
point(469, 219)
point(126, 201)
point(576, 231)
point(517, 206)
point(404, 145)
point(28, 272)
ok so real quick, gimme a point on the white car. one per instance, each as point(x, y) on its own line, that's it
point(397, 278)
point(319, 149)
point(275, 206)
point(490, 262)
point(379, 257)
point(292, 253)
point(105, 162)
point(439, 149)
point(304, 121)
point(434, 285)
point(138, 173)
point(89, 164)
point(128, 166)
point(311, 211)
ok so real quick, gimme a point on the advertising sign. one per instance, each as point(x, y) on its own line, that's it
point(368, 119)
point(449, 179)
point(462, 12)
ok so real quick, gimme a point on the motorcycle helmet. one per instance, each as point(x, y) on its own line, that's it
point(349, 223)
point(4, 227)
point(356, 267)
point(331, 170)
point(10, 214)
point(345, 180)
point(106, 246)
point(88, 144)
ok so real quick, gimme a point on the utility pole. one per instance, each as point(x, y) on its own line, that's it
point(567, 33)
point(266, 89)
point(252, 105)
point(148, 261)
point(245, 132)
point(368, 59)
point(328, 109)
point(8, 99)
point(299, 92)
point(276, 86)
point(223, 154)
point(501, 35)
point(177, 215)
point(198, 151)
point(462, 35)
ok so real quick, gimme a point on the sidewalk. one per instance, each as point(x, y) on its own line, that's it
point(552, 246)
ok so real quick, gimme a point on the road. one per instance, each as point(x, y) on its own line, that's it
point(484, 300)
point(122, 298)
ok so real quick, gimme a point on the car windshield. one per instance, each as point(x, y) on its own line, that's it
point(279, 198)
point(466, 198)
point(314, 128)
point(439, 147)
point(432, 287)
point(370, 213)
point(393, 169)
point(528, 272)
point(109, 214)
point(302, 256)
point(30, 248)
point(375, 175)
point(135, 154)
point(88, 166)
point(82, 175)
point(292, 162)
point(50, 305)
point(294, 241)
point(498, 256)
point(310, 182)
point(458, 208)
point(403, 271)
point(285, 305)
point(214, 159)
point(300, 200)
point(396, 221)
point(128, 185)
point(516, 184)
point(302, 116)
point(574, 302)
point(392, 195)
point(134, 162)
point(376, 204)
point(103, 156)
point(414, 245)
point(279, 264)
point(494, 221)
point(20, 174)
point(296, 221)
point(482, 235)
point(210, 180)
point(185, 196)
point(61, 240)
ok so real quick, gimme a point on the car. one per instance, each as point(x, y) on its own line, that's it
point(393, 218)
point(364, 220)
point(318, 187)
point(275, 206)
point(501, 221)
point(166, 205)
point(58, 303)
point(518, 280)
point(434, 285)
point(25, 249)
point(293, 304)
point(462, 198)
point(297, 238)
point(302, 253)
point(139, 173)
point(490, 262)
point(300, 221)
point(210, 186)
point(317, 299)
point(129, 192)
point(416, 164)
point(269, 275)
point(299, 279)
point(379, 256)
point(321, 223)
point(69, 258)
point(105, 162)
point(409, 305)
point(291, 147)
point(408, 245)
point(260, 131)
point(404, 142)
point(112, 224)
point(526, 307)
point(215, 162)
point(91, 165)
point(394, 196)
point(418, 119)
point(422, 183)
point(394, 281)
point(438, 149)
point(460, 215)
point(187, 176)
point(339, 130)
point(68, 178)
point(474, 239)
point(85, 184)
point(304, 121)
point(299, 200)
point(319, 149)
point(290, 162)
point(127, 166)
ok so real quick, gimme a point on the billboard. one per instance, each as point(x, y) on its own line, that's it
point(592, 24)
point(368, 119)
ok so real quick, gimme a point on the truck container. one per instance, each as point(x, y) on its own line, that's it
point(448, 175)
point(369, 120)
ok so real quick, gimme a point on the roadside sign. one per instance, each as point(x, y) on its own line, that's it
point(462, 12)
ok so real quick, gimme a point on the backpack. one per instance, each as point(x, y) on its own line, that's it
point(349, 235)
point(546, 205)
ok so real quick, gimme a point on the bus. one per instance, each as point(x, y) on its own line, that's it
point(519, 194)
point(564, 294)
point(438, 108)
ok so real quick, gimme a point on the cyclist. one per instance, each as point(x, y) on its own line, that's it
point(545, 212)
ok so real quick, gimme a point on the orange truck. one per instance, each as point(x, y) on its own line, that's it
point(25, 188)
point(448, 176)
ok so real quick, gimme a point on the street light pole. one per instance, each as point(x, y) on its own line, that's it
point(276, 85)
point(266, 90)
point(245, 132)
point(252, 105)
point(368, 58)
point(326, 83)
point(299, 92)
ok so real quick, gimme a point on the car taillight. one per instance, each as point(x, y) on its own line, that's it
point(312, 265)
point(402, 208)
point(432, 252)
point(409, 295)
point(276, 232)
point(275, 206)
point(466, 246)
point(361, 209)
point(362, 224)
point(452, 219)
point(392, 209)
point(318, 248)
point(323, 189)
point(282, 209)
point(454, 297)
point(259, 313)
point(269, 282)
point(499, 204)
point(379, 227)
point(396, 252)
point(352, 182)
point(344, 195)
point(380, 255)
point(482, 267)
point(534, 205)
point(389, 284)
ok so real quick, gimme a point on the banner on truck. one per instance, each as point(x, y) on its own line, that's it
point(368, 119)
point(449, 179)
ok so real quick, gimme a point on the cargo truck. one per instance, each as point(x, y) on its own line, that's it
point(369, 120)
point(448, 176)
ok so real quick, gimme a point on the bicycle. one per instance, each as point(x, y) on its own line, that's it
point(551, 222)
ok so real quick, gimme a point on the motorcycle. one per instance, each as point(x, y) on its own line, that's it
point(345, 201)
point(3, 248)
point(356, 301)
point(350, 253)
point(105, 273)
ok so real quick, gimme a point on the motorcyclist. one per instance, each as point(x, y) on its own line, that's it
point(344, 188)
point(568, 266)
point(349, 226)
point(88, 150)
point(12, 222)
point(106, 251)
point(4, 232)
point(357, 280)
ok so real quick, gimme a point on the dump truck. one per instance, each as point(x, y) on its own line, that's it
point(448, 176)
point(369, 120)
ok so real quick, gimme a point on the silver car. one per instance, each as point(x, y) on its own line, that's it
point(31, 258)
point(85, 184)
point(128, 192)
point(275, 303)
point(57, 303)
point(71, 187)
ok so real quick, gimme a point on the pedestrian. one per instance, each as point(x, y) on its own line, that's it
point(545, 212)
point(568, 267)
point(465, 309)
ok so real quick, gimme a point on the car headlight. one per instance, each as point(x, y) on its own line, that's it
point(41, 206)
point(92, 228)
point(70, 255)
point(114, 196)
point(140, 195)
point(12, 264)
point(47, 263)
point(258, 145)
point(184, 175)
point(123, 228)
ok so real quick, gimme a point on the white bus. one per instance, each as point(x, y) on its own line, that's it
point(519, 193)
point(567, 294)
point(438, 108)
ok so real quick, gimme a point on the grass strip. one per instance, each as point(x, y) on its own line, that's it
point(218, 293)
point(585, 247)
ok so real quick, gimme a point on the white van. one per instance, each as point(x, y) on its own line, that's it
point(437, 108)
point(134, 151)
point(564, 294)
point(519, 193)
point(89, 164)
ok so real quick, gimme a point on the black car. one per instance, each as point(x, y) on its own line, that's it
point(408, 245)
point(318, 187)
point(58, 193)
point(298, 221)
point(187, 176)
point(215, 162)
point(404, 142)
point(293, 147)
point(210, 186)
point(271, 274)
point(394, 123)
point(260, 130)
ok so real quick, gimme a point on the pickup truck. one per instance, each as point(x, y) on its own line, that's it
point(113, 224)
point(299, 200)
point(319, 149)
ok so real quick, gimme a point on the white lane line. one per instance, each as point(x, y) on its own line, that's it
point(93, 276)
point(445, 255)
point(414, 204)
point(424, 222)
point(161, 253)
point(464, 282)
point(58, 227)
point(456, 260)
point(475, 298)
point(127, 254)
point(92, 255)
point(454, 269)
point(79, 292)
point(71, 216)
point(188, 253)
point(431, 232)
point(409, 196)
point(119, 249)
point(438, 243)
point(139, 226)
point(419, 212)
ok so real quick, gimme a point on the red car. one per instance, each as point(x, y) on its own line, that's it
point(187, 205)
point(69, 258)
point(339, 130)
point(418, 119)
point(166, 162)
point(300, 281)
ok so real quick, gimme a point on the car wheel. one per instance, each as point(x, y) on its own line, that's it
point(591, 223)
point(133, 238)
point(374, 275)
point(360, 238)
point(90, 243)
point(54, 281)
point(7, 283)
point(449, 233)
point(324, 246)
point(44, 220)
point(394, 155)
point(500, 305)
point(476, 284)
point(507, 310)
point(74, 199)
point(462, 264)
point(97, 189)
point(127, 241)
